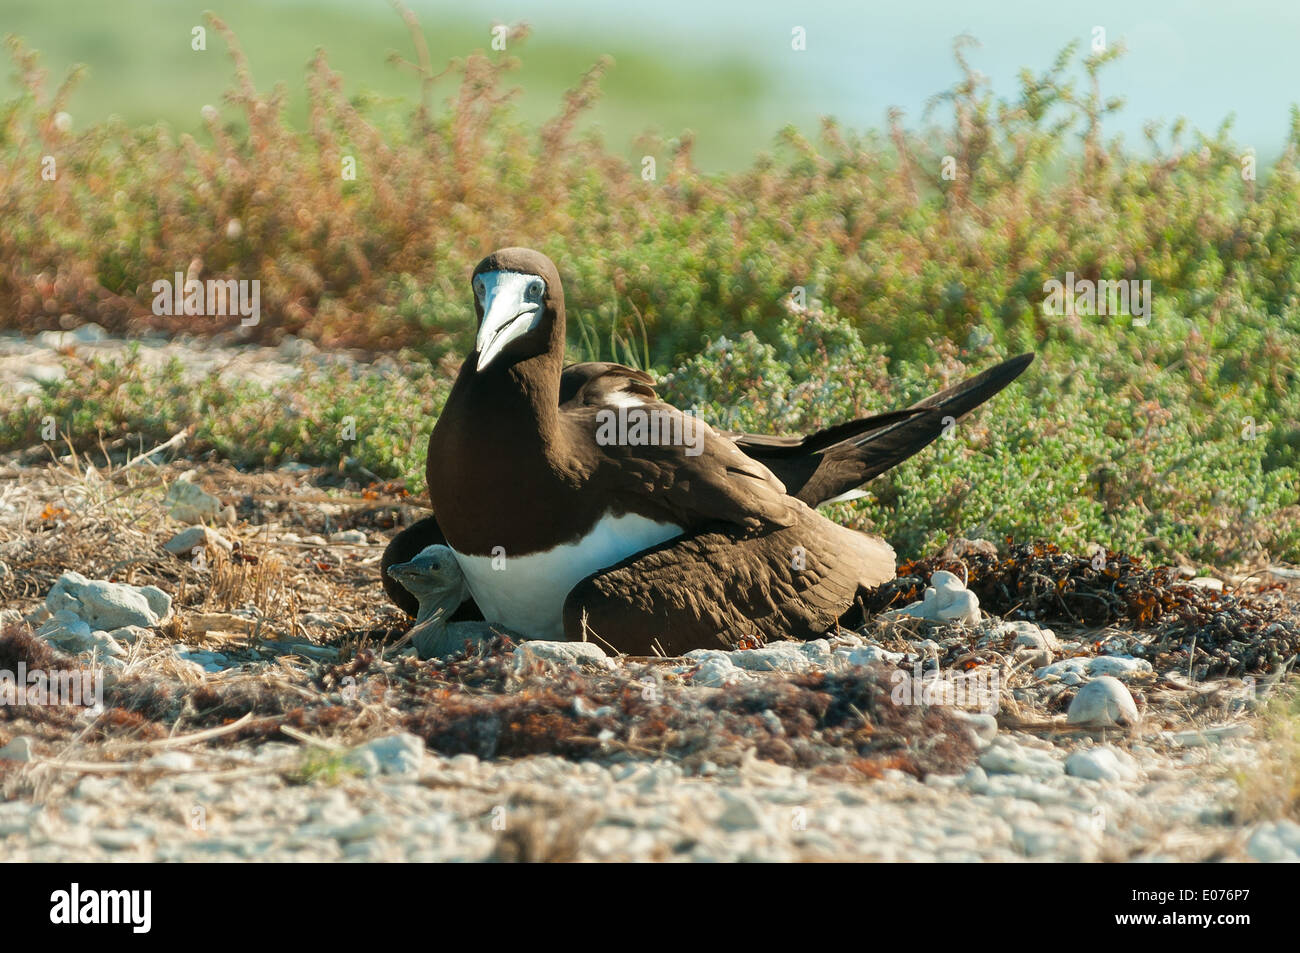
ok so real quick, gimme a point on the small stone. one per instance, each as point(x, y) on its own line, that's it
point(187, 541)
point(874, 655)
point(464, 763)
point(80, 814)
point(68, 632)
point(188, 502)
point(782, 656)
point(1007, 757)
point(401, 754)
point(366, 827)
point(984, 727)
point(349, 536)
point(1102, 763)
point(108, 605)
point(560, 654)
point(975, 780)
point(171, 761)
point(1028, 635)
point(105, 645)
point(295, 348)
point(1207, 582)
point(89, 333)
point(128, 839)
point(18, 749)
point(1034, 838)
point(1114, 665)
point(715, 669)
point(1275, 841)
point(741, 813)
point(130, 634)
point(946, 600)
point(45, 373)
point(1103, 702)
point(1118, 665)
point(1203, 737)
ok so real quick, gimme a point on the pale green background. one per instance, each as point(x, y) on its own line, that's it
point(725, 70)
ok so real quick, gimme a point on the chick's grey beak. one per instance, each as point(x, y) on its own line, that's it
point(398, 570)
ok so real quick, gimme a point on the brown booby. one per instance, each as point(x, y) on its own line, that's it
point(567, 527)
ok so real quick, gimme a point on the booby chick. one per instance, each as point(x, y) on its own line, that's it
point(650, 546)
point(434, 578)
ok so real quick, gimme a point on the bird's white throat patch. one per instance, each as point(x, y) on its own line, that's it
point(527, 592)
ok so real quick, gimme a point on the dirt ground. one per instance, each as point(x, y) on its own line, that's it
point(277, 705)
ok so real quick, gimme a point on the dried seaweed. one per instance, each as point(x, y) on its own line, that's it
point(1190, 628)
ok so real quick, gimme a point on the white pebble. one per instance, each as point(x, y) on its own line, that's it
point(1103, 702)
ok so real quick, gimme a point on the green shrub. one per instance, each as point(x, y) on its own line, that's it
point(828, 279)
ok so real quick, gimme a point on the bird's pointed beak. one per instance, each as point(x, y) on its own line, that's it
point(507, 314)
point(400, 571)
point(435, 579)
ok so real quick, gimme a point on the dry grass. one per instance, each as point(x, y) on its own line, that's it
point(328, 685)
point(1271, 790)
point(110, 523)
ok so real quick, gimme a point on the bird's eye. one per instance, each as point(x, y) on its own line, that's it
point(478, 287)
point(535, 288)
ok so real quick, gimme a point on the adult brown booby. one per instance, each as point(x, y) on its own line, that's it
point(650, 546)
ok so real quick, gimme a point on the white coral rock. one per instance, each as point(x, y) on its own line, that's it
point(945, 600)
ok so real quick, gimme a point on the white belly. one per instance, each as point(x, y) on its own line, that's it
point(527, 593)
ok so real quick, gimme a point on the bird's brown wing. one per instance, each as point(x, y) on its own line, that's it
point(594, 382)
point(713, 589)
point(682, 472)
point(823, 465)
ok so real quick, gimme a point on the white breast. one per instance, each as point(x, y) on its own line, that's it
point(527, 593)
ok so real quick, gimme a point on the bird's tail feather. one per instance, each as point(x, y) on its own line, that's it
point(830, 463)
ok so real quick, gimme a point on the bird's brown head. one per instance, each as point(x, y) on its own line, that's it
point(520, 306)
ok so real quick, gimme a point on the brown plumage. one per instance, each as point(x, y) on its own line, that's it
point(815, 468)
point(515, 467)
point(714, 589)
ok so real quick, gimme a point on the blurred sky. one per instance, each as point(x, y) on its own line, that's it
point(724, 69)
point(1202, 59)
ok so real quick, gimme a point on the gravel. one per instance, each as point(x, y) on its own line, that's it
point(1021, 804)
point(1147, 765)
point(1278, 841)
